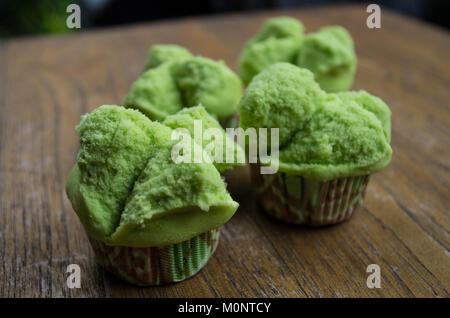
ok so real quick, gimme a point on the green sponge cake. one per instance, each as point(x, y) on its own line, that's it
point(162, 53)
point(284, 97)
point(115, 146)
point(186, 118)
point(330, 55)
point(278, 41)
point(322, 136)
point(329, 144)
point(177, 80)
point(155, 93)
point(128, 194)
point(374, 105)
point(342, 139)
point(212, 84)
point(172, 203)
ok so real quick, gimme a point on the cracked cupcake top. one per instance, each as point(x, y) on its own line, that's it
point(175, 79)
point(328, 53)
point(278, 41)
point(126, 189)
point(322, 136)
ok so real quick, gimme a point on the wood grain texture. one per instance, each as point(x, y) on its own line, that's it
point(46, 83)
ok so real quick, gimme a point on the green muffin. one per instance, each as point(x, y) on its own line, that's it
point(330, 55)
point(137, 206)
point(279, 40)
point(175, 80)
point(329, 144)
point(186, 118)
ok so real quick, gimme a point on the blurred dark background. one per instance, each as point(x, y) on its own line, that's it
point(28, 17)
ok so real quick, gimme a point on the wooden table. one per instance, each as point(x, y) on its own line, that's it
point(48, 82)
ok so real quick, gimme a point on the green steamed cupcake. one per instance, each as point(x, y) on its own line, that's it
point(279, 40)
point(329, 144)
point(186, 117)
point(329, 53)
point(177, 80)
point(132, 198)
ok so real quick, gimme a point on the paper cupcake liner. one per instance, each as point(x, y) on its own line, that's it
point(298, 200)
point(157, 265)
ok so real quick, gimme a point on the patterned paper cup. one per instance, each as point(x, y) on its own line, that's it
point(157, 265)
point(297, 200)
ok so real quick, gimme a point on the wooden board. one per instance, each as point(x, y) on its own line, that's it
point(46, 83)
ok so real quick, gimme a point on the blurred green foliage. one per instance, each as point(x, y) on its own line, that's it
point(27, 17)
